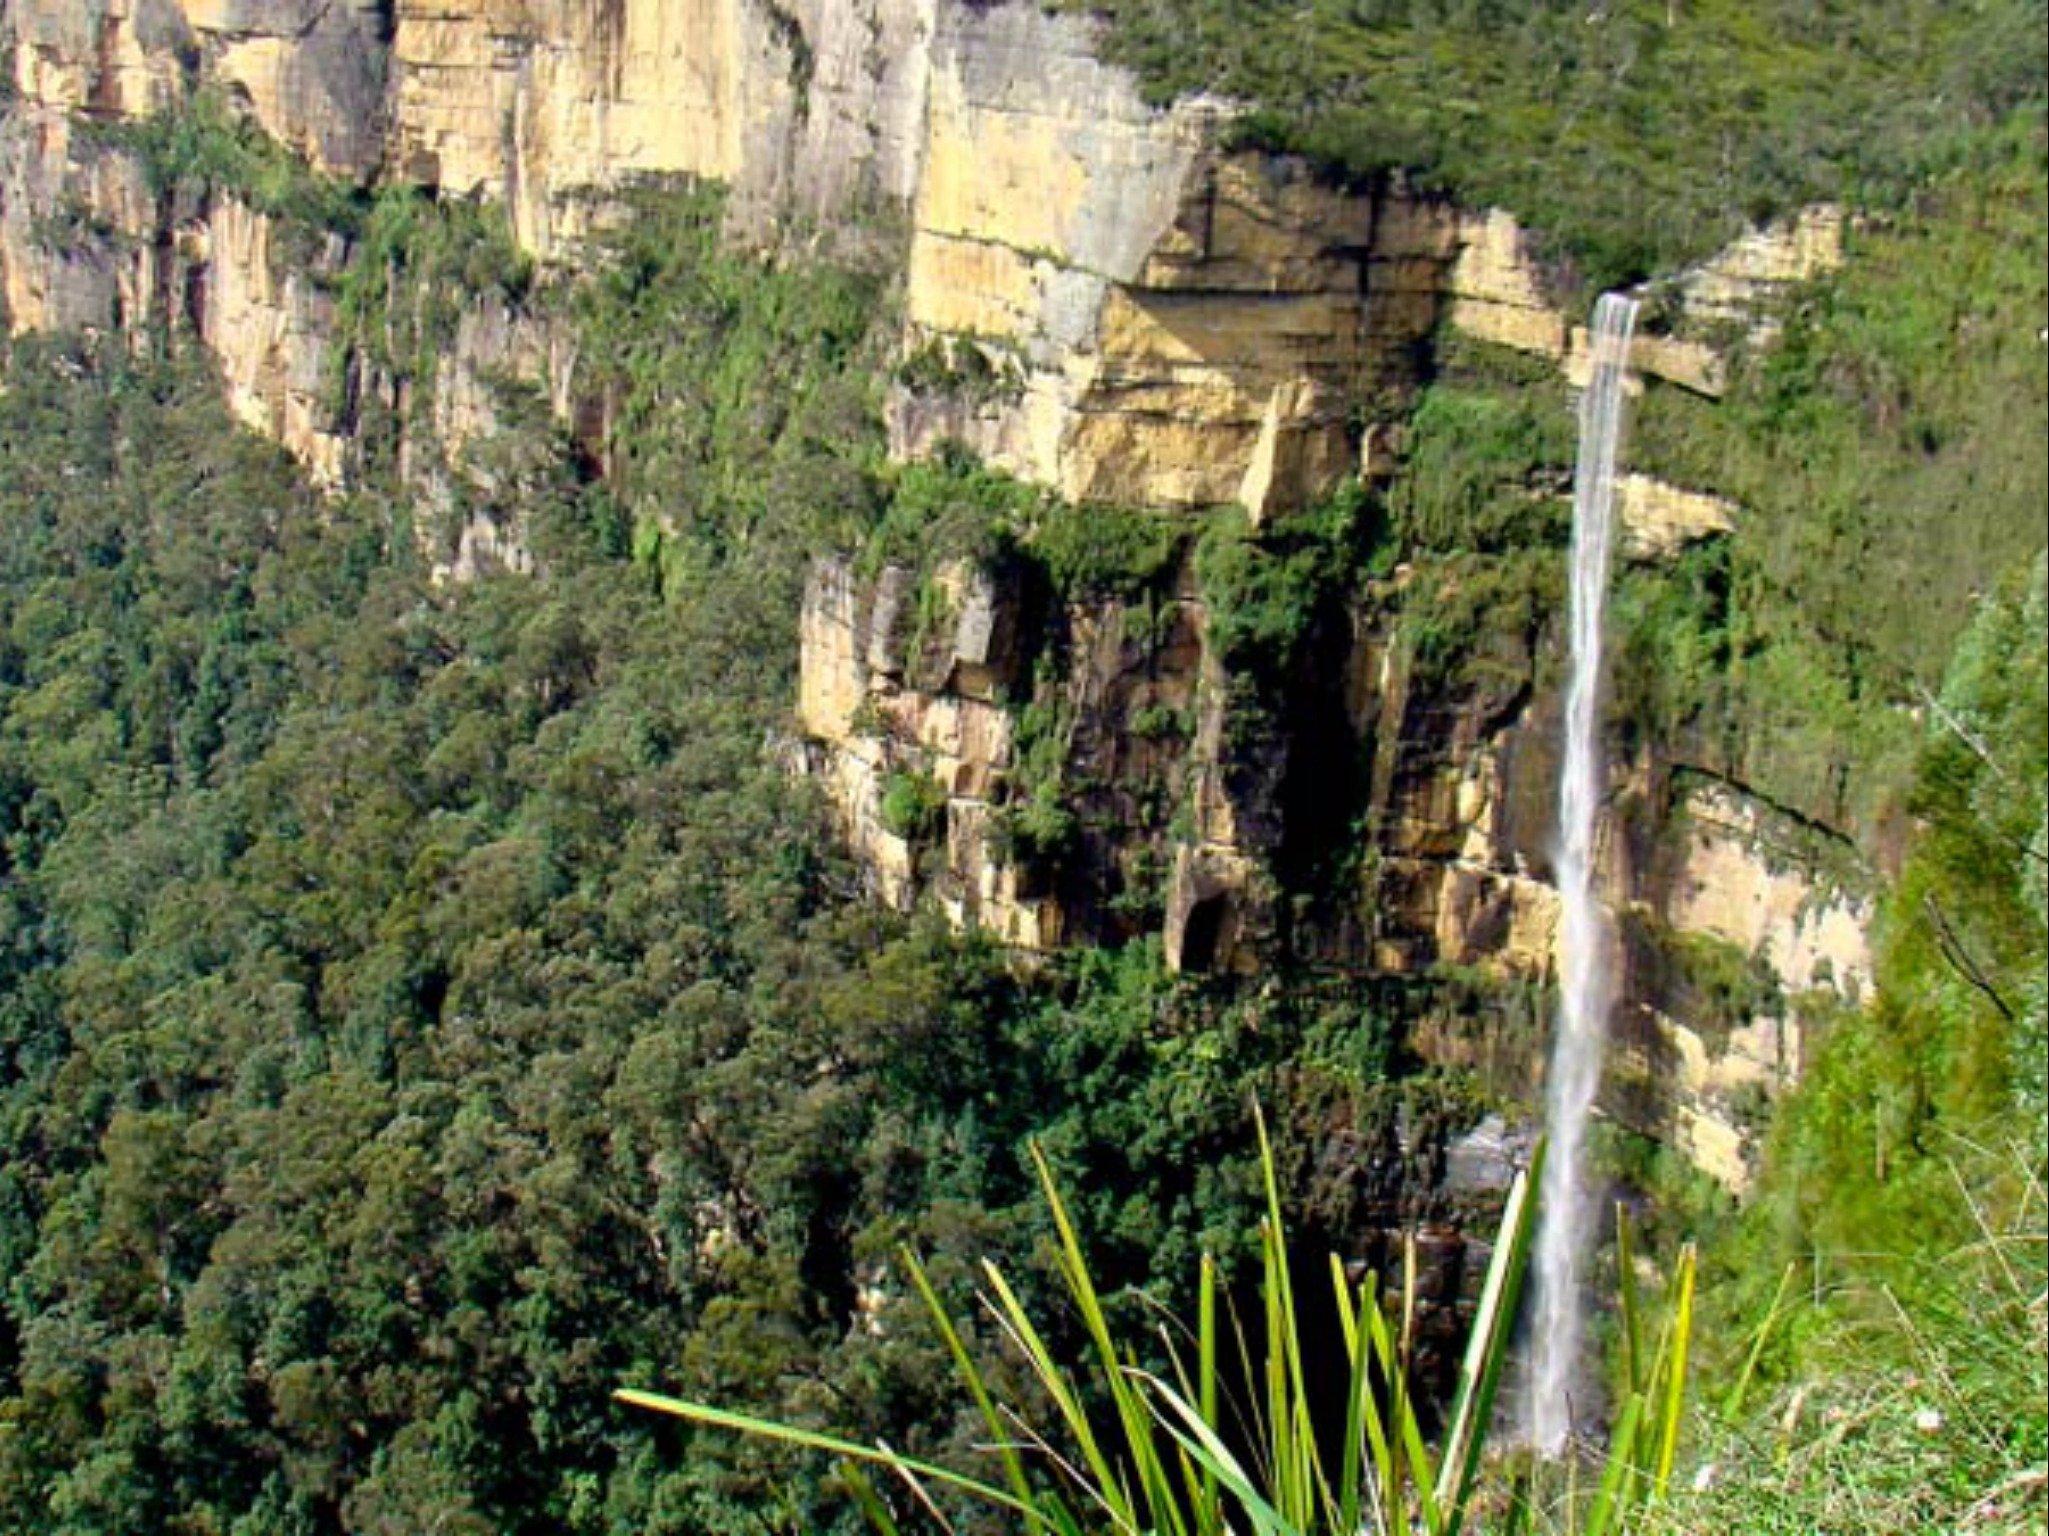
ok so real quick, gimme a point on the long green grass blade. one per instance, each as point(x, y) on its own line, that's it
point(1633, 1364)
point(1298, 1473)
point(832, 1445)
point(1198, 1483)
point(1358, 1385)
point(1167, 1515)
point(1487, 1348)
point(1410, 1459)
point(1210, 1509)
point(1107, 1485)
point(1671, 1410)
point(1732, 1404)
point(1254, 1406)
point(1400, 1411)
point(1379, 1442)
point(1171, 1472)
point(1204, 1444)
point(868, 1500)
point(1619, 1476)
point(999, 1436)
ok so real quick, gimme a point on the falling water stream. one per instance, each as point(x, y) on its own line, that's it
point(1586, 992)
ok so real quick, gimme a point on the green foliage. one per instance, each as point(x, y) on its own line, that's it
point(952, 507)
point(1921, 1386)
point(1834, 654)
point(913, 806)
point(969, 369)
point(949, 508)
point(740, 394)
point(206, 147)
point(1887, 460)
point(1102, 551)
point(1036, 830)
point(1953, 1046)
point(1158, 722)
point(1705, 982)
point(1220, 1426)
point(1638, 134)
point(417, 262)
point(951, 511)
point(1902, 1184)
point(424, 1010)
point(1486, 468)
point(1263, 587)
point(1473, 621)
point(1480, 512)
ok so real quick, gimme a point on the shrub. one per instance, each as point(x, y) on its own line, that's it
point(913, 806)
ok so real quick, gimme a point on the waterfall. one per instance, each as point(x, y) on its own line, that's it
point(1586, 992)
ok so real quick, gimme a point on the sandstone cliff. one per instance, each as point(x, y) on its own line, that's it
point(1168, 322)
point(1103, 297)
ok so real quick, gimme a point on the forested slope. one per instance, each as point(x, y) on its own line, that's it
point(427, 1005)
point(1636, 134)
point(429, 1009)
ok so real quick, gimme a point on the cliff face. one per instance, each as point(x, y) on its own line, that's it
point(1100, 296)
point(312, 71)
point(1113, 303)
point(1427, 814)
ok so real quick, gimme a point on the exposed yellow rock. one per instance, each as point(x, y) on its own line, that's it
point(271, 331)
point(1498, 295)
point(1300, 450)
point(987, 894)
point(853, 777)
point(832, 681)
point(1701, 1085)
point(1692, 365)
point(868, 722)
point(1002, 178)
point(1732, 884)
point(1210, 910)
point(1495, 921)
point(113, 58)
point(1136, 456)
point(1763, 1053)
point(53, 277)
point(1261, 224)
point(1496, 292)
point(1224, 370)
point(532, 100)
point(1713, 1146)
point(1192, 325)
point(1660, 519)
point(1741, 280)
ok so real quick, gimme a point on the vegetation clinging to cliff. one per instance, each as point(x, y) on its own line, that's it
point(1887, 460)
point(1898, 1376)
point(1637, 134)
point(423, 1011)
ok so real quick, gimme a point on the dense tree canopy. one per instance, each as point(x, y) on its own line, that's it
point(424, 1009)
point(427, 1009)
point(1635, 135)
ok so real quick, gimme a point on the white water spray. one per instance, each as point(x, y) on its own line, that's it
point(1586, 994)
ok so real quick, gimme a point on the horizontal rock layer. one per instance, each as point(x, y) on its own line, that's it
point(1185, 817)
point(1176, 324)
point(1102, 297)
